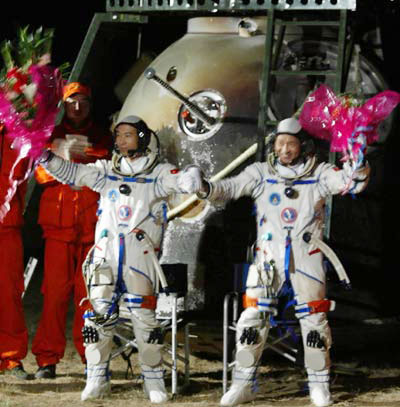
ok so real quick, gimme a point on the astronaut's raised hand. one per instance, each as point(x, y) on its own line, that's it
point(60, 147)
point(356, 172)
point(72, 147)
point(46, 156)
point(77, 149)
point(356, 176)
point(191, 180)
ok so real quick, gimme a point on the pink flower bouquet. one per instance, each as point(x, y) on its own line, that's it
point(30, 95)
point(348, 124)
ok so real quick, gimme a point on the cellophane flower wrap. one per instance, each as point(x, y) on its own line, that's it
point(346, 122)
point(30, 95)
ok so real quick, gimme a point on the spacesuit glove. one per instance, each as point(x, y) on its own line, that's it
point(359, 173)
point(191, 180)
point(45, 157)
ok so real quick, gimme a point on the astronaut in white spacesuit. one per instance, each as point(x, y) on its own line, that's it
point(289, 191)
point(122, 269)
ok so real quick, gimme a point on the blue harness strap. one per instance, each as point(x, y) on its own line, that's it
point(288, 250)
point(165, 212)
point(297, 182)
point(271, 181)
point(120, 282)
point(305, 181)
point(139, 180)
point(286, 291)
point(120, 287)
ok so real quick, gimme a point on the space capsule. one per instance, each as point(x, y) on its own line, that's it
point(201, 96)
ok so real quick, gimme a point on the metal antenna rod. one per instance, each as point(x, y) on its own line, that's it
point(150, 73)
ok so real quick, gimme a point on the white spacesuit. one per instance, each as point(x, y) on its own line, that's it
point(122, 268)
point(290, 209)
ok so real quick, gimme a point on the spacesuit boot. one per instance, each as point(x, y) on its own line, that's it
point(243, 389)
point(251, 333)
point(153, 385)
point(97, 382)
point(318, 382)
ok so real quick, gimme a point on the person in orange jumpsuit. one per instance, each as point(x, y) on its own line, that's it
point(67, 216)
point(13, 331)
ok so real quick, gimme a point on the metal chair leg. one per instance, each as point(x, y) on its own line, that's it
point(234, 296)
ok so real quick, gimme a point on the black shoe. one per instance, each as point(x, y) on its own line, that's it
point(18, 372)
point(46, 372)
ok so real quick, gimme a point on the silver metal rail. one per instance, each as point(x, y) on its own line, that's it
point(215, 6)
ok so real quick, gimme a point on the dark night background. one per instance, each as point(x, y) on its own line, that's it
point(71, 21)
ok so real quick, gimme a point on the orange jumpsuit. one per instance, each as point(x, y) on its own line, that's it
point(13, 332)
point(68, 219)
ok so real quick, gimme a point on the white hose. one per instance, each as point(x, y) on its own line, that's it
point(156, 263)
point(160, 272)
point(330, 254)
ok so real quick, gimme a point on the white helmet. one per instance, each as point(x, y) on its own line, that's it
point(292, 127)
point(148, 144)
point(289, 126)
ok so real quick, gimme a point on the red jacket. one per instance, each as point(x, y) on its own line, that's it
point(65, 213)
point(8, 157)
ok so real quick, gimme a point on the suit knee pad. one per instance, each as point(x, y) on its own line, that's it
point(150, 354)
point(98, 352)
point(98, 342)
point(251, 335)
point(317, 341)
point(150, 351)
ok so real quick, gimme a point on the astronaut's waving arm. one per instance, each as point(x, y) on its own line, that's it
point(341, 181)
point(167, 181)
point(250, 182)
point(92, 176)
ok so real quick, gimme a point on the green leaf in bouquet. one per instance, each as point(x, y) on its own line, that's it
point(28, 47)
point(24, 48)
point(6, 52)
point(38, 45)
point(65, 70)
point(351, 99)
point(34, 45)
point(23, 34)
point(48, 43)
point(38, 32)
point(3, 73)
point(19, 103)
